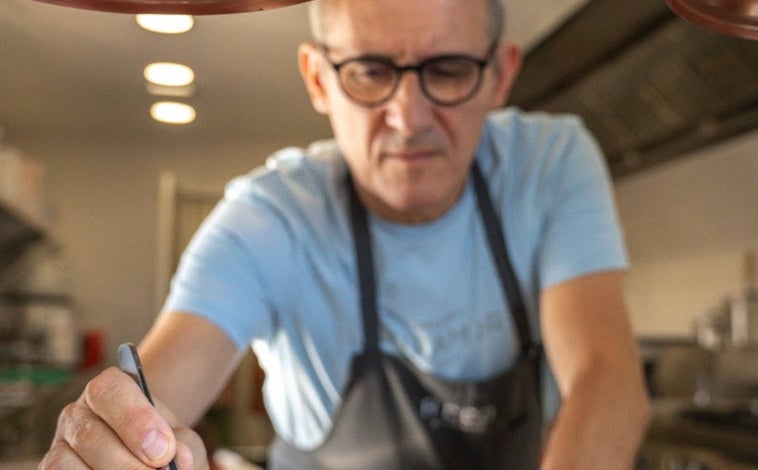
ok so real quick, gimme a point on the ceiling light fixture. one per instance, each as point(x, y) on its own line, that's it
point(169, 74)
point(172, 112)
point(165, 24)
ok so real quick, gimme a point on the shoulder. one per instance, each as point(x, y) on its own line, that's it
point(296, 199)
point(550, 179)
point(532, 134)
point(537, 147)
point(533, 126)
point(289, 171)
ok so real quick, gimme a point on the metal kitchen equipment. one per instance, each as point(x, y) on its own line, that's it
point(743, 308)
point(733, 17)
point(733, 323)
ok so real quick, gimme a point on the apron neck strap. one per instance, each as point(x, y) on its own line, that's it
point(499, 250)
point(495, 240)
point(365, 260)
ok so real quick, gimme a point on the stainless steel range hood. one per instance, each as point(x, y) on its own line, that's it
point(650, 86)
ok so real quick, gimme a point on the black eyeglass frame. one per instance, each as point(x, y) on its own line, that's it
point(399, 70)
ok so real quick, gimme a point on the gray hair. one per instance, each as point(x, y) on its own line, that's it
point(496, 24)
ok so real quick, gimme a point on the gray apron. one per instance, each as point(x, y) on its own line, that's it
point(394, 416)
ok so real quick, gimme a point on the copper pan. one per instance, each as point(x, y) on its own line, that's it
point(733, 17)
point(188, 7)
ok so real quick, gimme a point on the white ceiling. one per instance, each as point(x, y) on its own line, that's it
point(69, 72)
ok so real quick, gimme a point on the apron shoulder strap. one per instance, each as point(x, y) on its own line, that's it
point(498, 247)
point(363, 255)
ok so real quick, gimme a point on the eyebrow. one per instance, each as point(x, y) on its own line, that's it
point(387, 57)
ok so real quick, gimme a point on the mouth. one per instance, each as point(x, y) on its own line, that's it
point(412, 155)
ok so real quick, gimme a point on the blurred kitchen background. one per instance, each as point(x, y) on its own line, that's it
point(97, 199)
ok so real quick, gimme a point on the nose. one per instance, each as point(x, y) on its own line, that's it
point(409, 111)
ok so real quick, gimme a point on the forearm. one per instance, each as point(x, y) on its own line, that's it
point(181, 353)
point(601, 422)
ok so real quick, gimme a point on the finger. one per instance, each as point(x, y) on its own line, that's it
point(190, 450)
point(117, 399)
point(61, 457)
point(91, 440)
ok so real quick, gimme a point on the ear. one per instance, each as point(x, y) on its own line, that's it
point(309, 57)
point(508, 64)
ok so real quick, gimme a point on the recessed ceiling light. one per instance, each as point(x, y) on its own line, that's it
point(172, 112)
point(169, 74)
point(165, 24)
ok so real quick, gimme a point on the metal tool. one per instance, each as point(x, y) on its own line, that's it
point(128, 361)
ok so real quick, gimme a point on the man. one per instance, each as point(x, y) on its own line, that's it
point(397, 285)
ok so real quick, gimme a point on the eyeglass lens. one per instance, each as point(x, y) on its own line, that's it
point(445, 80)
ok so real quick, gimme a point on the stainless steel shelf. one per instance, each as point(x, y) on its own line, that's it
point(17, 233)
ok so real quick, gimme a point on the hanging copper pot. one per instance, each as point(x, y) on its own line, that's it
point(188, 7)
point(733, 17)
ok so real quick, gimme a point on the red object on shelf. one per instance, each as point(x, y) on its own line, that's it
point(187, 7)
point(94, 348)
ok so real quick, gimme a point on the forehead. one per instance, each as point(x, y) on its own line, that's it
point(405, 28)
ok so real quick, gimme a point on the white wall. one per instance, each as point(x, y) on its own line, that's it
point(102, 197)
point(688, 224)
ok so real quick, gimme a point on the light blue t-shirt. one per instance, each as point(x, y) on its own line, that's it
point(274, 264)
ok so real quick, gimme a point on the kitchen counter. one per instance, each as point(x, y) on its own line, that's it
point(27, 427)
point(20, 465)
point(685, 442)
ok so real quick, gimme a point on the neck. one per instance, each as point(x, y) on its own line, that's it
point(416, 215)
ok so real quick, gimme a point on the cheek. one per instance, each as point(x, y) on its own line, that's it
point(474, 120)
point(463, 130)
point(348, 133)
point(355, 131)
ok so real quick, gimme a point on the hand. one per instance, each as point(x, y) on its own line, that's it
point(113, 425)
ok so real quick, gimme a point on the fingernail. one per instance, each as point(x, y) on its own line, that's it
point(155, 445)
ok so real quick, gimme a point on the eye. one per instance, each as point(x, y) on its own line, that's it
point(449, 69)
point(367, 71)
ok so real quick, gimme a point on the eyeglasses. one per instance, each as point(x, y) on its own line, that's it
point(446, 80)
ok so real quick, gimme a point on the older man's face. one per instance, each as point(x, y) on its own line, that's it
point(409, 156)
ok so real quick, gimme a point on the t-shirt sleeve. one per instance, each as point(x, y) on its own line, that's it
point(218, 277)
point(581, 233)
